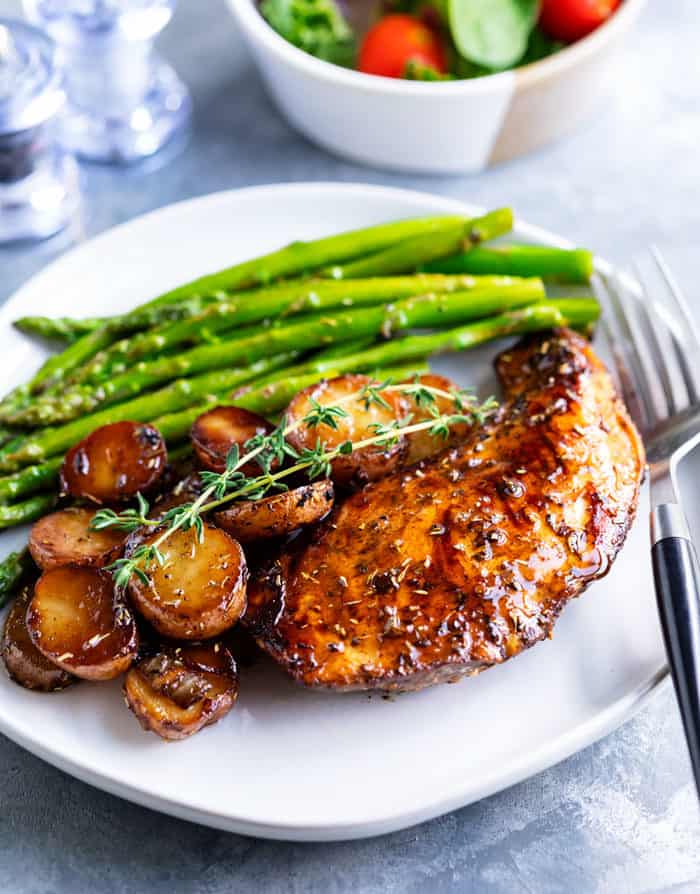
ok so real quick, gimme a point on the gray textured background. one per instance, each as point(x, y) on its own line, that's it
point(619, 817)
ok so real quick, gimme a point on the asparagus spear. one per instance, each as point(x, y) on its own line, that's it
point(576, 312)
point(57, 328)
point(268, 397)
point(49, 442)
point(286, 298)
point(44, 475)
point(16, 443)
point(13, 402)
point(267, 400)
point(419, 250)
point(12, 569)
point(402, 257)
point(447, 232)
point(74, 402)
point(279, 302)
point(182, 451)
point(344, 349)
point(30, 480)
point(7, 434)
point(28, 511)
point(313, 331)
point(300, 258)
point(56, 367)
point(574, 266)
point(566, 311)
point(71, 328)
point(294, 259)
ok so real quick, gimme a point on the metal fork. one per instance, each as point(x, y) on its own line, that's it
point(656, 349)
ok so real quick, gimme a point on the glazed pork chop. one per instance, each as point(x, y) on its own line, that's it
point(465, 560)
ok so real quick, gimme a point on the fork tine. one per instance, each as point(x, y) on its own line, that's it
point(630, 374)
point(688, 368)
point(653, 391)
point(651, 339)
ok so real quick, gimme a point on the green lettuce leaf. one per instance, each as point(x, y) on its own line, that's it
point(492, 33)
point(416, 71)
point(316, 26)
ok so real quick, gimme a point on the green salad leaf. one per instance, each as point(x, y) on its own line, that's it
point(492, 33)
point(316, 26)
point(540, 46)
point(12, 571)
point(416, 71)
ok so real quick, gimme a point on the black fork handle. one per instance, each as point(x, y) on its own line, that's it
point(677, 579)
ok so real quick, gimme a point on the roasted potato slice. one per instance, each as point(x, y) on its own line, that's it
point(200, 589)
point(422, 444)
point(185, 491)
point(78, 622)
point(24, 662)
point(277, 515)
point(65, 538)
point(214, 434)
point(179, 690)
point(114, 463)
point(365, 464)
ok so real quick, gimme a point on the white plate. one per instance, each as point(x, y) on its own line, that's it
point(314, 766)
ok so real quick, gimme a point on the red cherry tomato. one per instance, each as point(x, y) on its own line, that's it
point(570, 20)
point(397, 40)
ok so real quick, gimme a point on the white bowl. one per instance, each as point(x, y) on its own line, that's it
point(435, 128)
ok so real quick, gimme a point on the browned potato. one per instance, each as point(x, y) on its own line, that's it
point(185, 491)
point(216, 432)
point(114, 463)
point(24, 662)
point(65, 538)
point(182, 689)
point(361, 466)
point(422, 444)
point(78, 622)
point(200, 589)
point(277, 515)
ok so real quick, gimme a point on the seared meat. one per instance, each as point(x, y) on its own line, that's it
point(465, 560)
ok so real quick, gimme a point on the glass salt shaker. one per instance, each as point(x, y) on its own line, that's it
point(124, 101)
point(38, 180)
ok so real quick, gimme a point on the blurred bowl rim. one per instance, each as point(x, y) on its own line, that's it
point(247, 12)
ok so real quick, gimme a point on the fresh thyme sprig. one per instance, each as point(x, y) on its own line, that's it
point(269, 452)
point(123, 521)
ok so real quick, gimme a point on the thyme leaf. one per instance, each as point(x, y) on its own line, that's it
point(269, 452)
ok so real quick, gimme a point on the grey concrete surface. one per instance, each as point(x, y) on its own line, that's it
point(620, 816)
